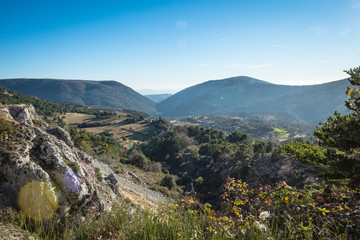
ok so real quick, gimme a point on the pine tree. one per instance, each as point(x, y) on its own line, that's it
point(341, 134)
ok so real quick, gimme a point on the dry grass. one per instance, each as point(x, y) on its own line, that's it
point(13, 232)
point(126, 133)
point(75, 118)
point(181, 123)
point(138, 199)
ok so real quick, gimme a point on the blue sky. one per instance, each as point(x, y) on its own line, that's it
point(170, 45)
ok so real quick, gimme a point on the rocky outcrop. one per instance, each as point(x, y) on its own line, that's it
point(41, 172)
point(23, 114)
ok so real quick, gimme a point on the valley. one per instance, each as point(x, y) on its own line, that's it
point(147, 160)
point(260, 126)
point(236, 97)
point(180, 120)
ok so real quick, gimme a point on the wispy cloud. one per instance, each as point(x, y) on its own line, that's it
point(284, 47)
point(224, 39)
point(180, 24)
point(318, 30)
point(355, 56)
point(248, 66)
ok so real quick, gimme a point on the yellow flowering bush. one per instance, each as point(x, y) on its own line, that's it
point(282, 212)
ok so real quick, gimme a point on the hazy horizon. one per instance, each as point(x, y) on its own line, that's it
point(158, 91)
point(172, 45)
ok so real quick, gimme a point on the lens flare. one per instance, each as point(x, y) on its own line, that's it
point(36, 201)
point(349, 92)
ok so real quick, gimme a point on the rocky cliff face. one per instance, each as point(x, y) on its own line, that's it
point(41, 172)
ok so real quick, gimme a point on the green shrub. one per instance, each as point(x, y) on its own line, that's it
point(138, 159)
point(168, 181)
point(199, 181)
point(5, 126)
point(277, 154)
point(74, 166)
point(104, 147)
point(98, 174)
point(155, 167)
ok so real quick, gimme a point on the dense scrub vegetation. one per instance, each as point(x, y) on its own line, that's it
point(202, 158)
point(102, 146)
point(5, 126)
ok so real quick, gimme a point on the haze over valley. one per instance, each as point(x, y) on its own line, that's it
point(273, 106)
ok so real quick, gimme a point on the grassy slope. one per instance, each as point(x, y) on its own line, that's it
point(120, 126)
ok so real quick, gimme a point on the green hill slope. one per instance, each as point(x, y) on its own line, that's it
point(234, 96)
point(82, 92)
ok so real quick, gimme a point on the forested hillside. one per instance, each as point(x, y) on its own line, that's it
point(239, 95)
point(45, 107)
point(82, 92)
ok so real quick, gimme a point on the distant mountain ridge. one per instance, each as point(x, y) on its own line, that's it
point(82, 92)
point(231, 96)
point(157, 97)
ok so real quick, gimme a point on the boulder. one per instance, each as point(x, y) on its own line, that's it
point(111, 178)
point(24, 114)
point(41, 172)
point(63, 135)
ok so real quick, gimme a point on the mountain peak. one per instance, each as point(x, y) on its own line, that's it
point(240, 79)
point(231, 96)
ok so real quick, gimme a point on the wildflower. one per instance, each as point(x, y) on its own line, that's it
point(323, 211)
point(260, 226)
point(264, 215)
point(285, 185)
point(302, 227)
